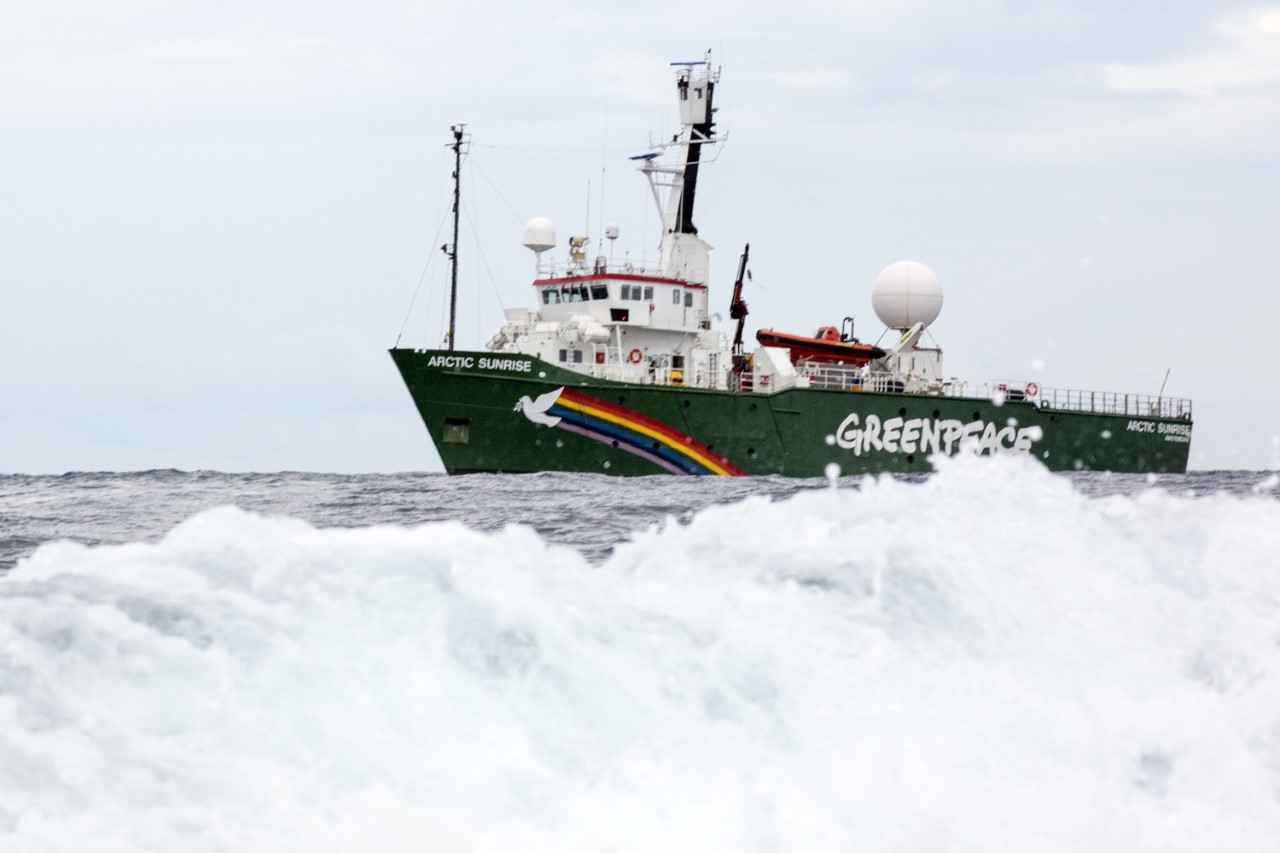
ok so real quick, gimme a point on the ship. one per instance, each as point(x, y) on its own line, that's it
point(619, 368)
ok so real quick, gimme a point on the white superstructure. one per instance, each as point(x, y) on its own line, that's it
point(629, 323)
point(652, 324)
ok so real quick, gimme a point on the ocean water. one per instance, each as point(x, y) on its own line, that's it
point(988, 658)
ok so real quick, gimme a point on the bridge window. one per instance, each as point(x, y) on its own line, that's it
point(564, 355)
point(675, 296)
point(648, 294)
point(626, 291)
point(550, 296)
point(599, 291)
point(577, 356)
point(688, 299)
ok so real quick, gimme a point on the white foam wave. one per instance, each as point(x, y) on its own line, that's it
point(984, 661)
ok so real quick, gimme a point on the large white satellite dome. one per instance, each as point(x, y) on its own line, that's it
point(540, 234)
point(907, 293)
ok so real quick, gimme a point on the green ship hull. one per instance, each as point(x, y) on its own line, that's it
point(492, 412)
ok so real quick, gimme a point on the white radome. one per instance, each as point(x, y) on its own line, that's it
point(906, 293)
point(540, 234)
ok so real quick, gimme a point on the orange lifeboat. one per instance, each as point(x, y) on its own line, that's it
point(826, 346)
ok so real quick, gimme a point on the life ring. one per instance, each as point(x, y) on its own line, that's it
point(1032, 389)
point(634, 356)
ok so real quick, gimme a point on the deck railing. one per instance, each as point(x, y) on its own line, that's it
point(599, 265)
point(849, 378)
point(1113, 403)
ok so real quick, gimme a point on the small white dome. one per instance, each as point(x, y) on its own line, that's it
point(540, 234)
point(907, 293)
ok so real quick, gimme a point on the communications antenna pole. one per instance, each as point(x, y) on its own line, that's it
point(452, 250)
point(738, 311)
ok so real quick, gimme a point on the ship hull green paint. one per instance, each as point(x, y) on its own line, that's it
point(469, 403)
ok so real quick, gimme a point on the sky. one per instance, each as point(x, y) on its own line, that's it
point(215, 218)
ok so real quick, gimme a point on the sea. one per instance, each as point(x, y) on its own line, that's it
point(991, 657)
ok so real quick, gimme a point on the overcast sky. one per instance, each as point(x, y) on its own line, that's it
point(214, 217)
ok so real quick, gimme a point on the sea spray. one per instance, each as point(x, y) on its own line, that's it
point(985, 660)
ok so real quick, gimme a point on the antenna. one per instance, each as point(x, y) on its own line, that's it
point(452, 251)
point(738, 311)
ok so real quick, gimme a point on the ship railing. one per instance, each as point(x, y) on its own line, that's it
point(848, 377)
point(844, 377)
point(1071, 400)
point(597, 266)
point(1115, 403)
point(608, 362)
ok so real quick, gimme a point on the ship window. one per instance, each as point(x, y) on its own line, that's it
point(599, 291)
point(688, 299)
point(577, 356)
point(456, 431)
point(636, 293)
point(626, 291)
point(675, 296)
point(564, 355)
point(648, 294)
point(552, 297)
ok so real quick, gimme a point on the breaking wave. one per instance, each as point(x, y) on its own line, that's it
point(985, 660)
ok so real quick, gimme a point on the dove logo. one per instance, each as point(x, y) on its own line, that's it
point(536, 410)
point(627, 430)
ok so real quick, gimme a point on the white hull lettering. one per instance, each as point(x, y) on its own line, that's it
point(466, 362)
point(1180, 433)
point(928, 435)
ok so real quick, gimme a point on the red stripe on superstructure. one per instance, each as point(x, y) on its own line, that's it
point(620, 277)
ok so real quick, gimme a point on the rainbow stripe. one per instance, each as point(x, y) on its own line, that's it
point(638, 434)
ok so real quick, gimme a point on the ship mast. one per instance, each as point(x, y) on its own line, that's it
point(684, 254)
point(738, 311)
point(452, 249)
